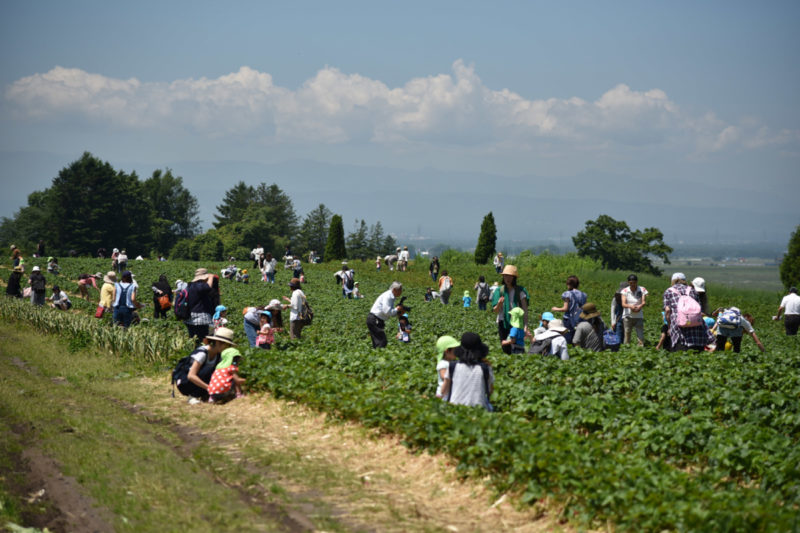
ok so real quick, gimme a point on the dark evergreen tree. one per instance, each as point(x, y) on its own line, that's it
point(790, 267)
point(237, 199)
point(389, 245)
point(174, 208)
point(314, 231)
point(487, 240)
point(335, 248)
point(357, 243)
point(375, 239)
point(281, 208)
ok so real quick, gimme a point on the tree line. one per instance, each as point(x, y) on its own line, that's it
point(90, 205)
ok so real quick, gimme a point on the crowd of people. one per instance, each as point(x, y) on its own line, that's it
point(464, 373)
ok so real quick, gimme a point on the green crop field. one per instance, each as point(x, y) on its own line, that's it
point(634, 440)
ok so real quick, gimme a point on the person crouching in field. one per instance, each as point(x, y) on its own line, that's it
point(193, 373)
point(60, 299)
point(87, 279)
point(226, 383)
point(516, 336)
point(731, 324)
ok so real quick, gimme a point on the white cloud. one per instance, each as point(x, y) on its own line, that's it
point(334, 107)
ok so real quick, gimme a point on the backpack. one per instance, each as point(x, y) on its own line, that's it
point(349, 281)
point(611, 340)
point(542, 346)
point(483, 292)
point(446, 285)
point(689, 313)
point(484, 369)
point(730, 319)
point(182, 305)
point(306, 314)
point(180, 375)
point(38, 284)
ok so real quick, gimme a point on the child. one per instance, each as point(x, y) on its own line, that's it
point(516, 337)
point(243, 276)
point(467, 299)
point(266, 334)
point(378, 263)
point(429, 295)
point(404, 326)
point(60, 299)
point(446, 348)
point(220, 317)
point(226, 384)
point(52, 265)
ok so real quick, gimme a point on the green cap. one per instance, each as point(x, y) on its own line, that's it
point(227, 356)
point(445, 343)
point(515, 317)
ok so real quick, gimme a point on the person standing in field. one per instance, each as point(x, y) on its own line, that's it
point(445, 287)
point(634, 298)
point(482, 293)
point(790, 308)
point(161, 288)
point(574, 300)
point(499, 262)
point(433, 268)
point(616, 311)
point(296, 306)
point(382, 310)
point(124, 300)
point(201, 307)
point(38, 286)
point(692, 333)
point(13, 288)
point(699, 285)
point(506, 298)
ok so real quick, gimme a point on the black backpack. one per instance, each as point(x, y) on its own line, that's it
point(38, 283)
point(181, 308)
point(542, 346)
point(349, 281)
point(483, 292)
point(180, 375)
point(484, 368)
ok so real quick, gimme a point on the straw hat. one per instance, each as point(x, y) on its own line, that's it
point(223, 335)
point(510, 270)
point(557, 325)
point(274, 305)
point(200, 274)
point(19, 268)
point(589, 311)
point(110, 277)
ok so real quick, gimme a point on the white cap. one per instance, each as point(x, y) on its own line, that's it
point(699, 284)
point(678, 275)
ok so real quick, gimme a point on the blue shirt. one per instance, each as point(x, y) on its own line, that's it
point(518, 336)
point(467, 300)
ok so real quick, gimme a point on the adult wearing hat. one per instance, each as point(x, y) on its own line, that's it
point(14, 285)
point(499, 262)
point(38, 286)
point(201, 304)
point(469, 380)
point(555, 335)
point(589, 333)
point(297, 305)
point(204, 360)
point(506, 298)
point(684, 338)
point(107, 293)
point(382, 310)
point(634, 298)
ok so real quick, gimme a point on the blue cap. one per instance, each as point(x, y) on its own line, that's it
point(548, 316)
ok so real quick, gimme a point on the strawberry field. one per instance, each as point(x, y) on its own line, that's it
point(638, 439)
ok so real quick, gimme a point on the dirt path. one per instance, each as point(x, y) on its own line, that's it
point(287, 466)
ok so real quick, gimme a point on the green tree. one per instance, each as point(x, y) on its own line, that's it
point(175, 209)
point(357, 243)
point(790, 267)
point(334, 248)
point(389, 245)
point(313, 233)
point(285, 218)
point(237, 199)
point(618, 248)
point(375, 239)
point(487, 240)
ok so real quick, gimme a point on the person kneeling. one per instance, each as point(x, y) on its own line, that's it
point(226, 384)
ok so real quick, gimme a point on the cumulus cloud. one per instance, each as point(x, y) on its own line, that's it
point(335, 107)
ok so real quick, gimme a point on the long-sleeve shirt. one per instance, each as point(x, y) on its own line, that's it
point(384, 307)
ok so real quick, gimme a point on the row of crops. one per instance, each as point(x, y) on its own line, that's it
point(639, 438)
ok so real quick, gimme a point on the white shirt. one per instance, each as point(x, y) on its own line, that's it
point(791, 304)
point(558, 346)
point(296, 307)
point(384, 307)
point(631, 298)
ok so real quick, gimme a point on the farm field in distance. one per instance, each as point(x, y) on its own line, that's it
point(635, 440)
point(744, 273)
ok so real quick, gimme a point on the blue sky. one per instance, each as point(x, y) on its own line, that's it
point(690, 105)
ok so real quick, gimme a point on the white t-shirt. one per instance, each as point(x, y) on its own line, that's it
point(444, 364)
point(791, 304)
point(633, 298)
point(296, 307)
